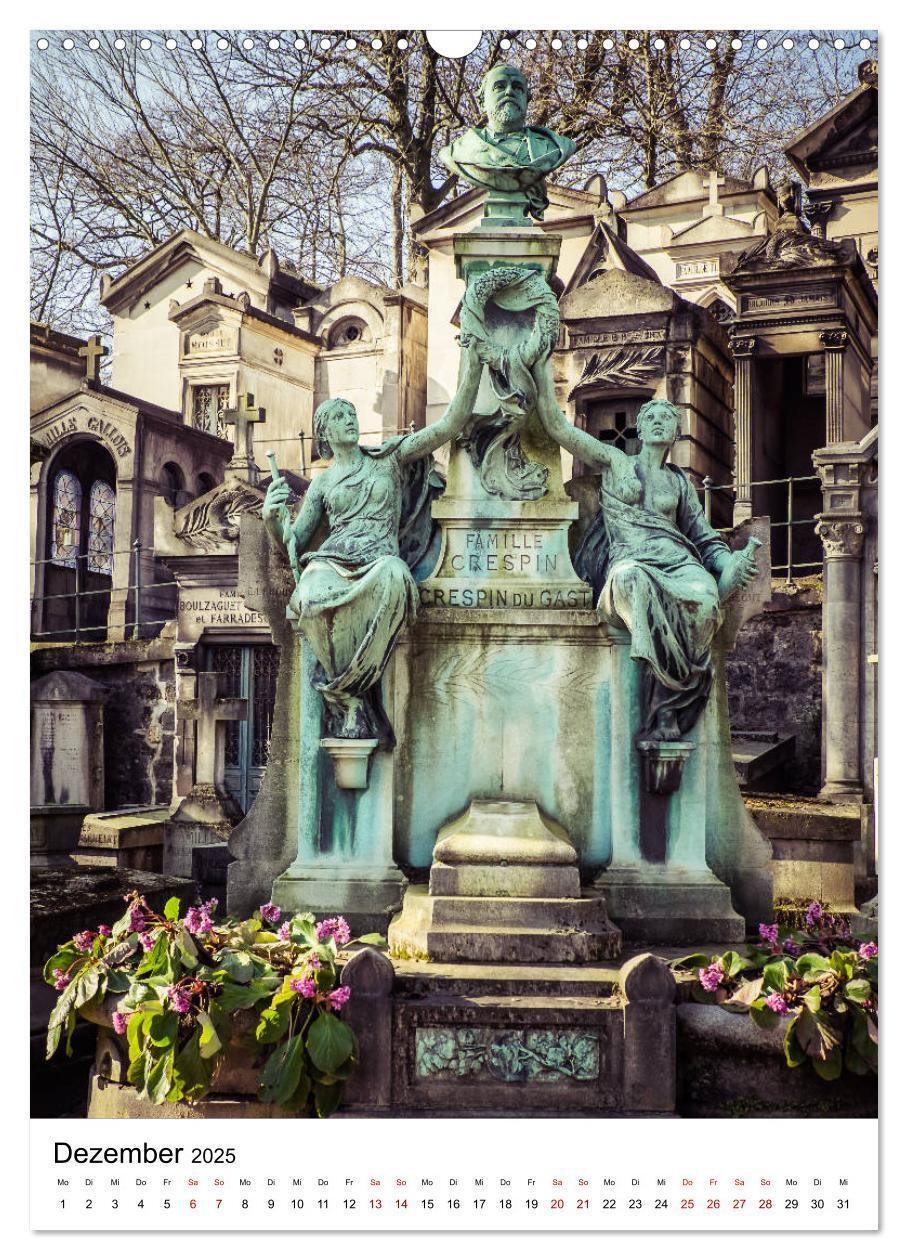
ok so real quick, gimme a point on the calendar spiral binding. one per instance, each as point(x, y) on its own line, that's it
point(512, 42)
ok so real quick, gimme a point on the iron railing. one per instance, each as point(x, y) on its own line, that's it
point(136, 626)
point(781, 532)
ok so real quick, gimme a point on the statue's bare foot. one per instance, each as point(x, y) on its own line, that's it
point(667, 731)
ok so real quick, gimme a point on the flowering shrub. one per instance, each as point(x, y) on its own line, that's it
point(177, 983)
point(818, 977)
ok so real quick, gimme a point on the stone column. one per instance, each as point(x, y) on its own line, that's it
point(835, 340)
point(843, 539)
point(743, 349)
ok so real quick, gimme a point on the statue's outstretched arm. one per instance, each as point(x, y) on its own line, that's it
point(583, 445)
point(459, 411)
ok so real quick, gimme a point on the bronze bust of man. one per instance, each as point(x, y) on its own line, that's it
point(506, 157)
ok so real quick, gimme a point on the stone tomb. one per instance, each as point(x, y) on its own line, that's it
point(131, 838)
point(67, 758)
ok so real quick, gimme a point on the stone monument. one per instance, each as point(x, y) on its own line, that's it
point(67, 758)
point(538, 738)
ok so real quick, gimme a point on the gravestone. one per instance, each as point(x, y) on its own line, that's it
point(132, 838)
point(501, 754)
point(67, 759)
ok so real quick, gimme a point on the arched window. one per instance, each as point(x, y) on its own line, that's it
point(172, 483)
point(66, 526)
point(351, 332)
point(102, 506)
point(205, 482)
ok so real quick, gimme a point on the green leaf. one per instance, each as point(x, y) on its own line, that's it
point(327, 1098)
point(163, 1028)
point(330, 1042)
point(732, 963)
point(118, 981)
point(192, 1073)
point(157, 961)
point(302, 930)
point(159, 1077)
point(813, 1000)
point(239, 966)
point(858, 990)
point(830, 1067)
point(812, 963)
point(775, 976)
point(172, 909)
point(762, 1015)
point(274, 1023)
point(64, 958)
point(375, 939)
point(794, 1055)
point(209, 1041)
point(281, 1074)
point(239, 997)
point(816, 1035)
point(186, 949)
point(297, 1102)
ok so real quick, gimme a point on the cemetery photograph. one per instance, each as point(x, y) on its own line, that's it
point(453, 575)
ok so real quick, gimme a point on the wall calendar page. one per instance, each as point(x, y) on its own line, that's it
point(453, 630)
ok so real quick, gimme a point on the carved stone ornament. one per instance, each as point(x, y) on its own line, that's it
point(622, 367)
point(742, 347)
point(791, 246)
point(834, 338)
point(214, 518)
point(841, 538)
point(513, 315)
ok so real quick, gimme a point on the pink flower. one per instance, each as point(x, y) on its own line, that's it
point(283, 932)
point(769, 932)
point(210, 906)
point(103, 929)
point(303, 986)
point(337, 927)
point(791, 947)
point(197, 921)
point(340, 997)
point(777, 1003)
point(146, 941)
point(61, 980)
point(83, 941)
point(270, 912)
point(814, 914)
point(120, 1021)
point(179, 999)
point(868, 950)
point(711, 976)
point(137, 919)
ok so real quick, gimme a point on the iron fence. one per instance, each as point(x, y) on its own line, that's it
point(136, 626)
point(781, 532)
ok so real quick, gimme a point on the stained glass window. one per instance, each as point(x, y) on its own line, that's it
point(102, 505)
point(66, 529)
point(209, 402)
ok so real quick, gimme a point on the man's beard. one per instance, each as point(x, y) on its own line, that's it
point(507, 116)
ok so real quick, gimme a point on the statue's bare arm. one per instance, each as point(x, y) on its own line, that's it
point(292, 534)
point(459, 411)
point(583, 445)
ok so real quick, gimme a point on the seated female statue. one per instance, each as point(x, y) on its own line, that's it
point(665, 571)
point(355, 594)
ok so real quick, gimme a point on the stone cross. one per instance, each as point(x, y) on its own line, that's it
point(93, 352)
point(713, 184)
point(244, 417)
point(207, 710)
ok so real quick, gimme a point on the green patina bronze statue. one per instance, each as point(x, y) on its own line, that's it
point(355, 593)
point(506, 157)
point(658, 567)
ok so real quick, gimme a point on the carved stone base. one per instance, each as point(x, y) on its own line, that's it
point(664, 905)
point(351, 761)
point(504, 887)
point(367, 902)
point(663, 763)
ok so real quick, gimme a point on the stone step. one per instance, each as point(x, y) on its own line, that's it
point(545, 913)
point(461, 942)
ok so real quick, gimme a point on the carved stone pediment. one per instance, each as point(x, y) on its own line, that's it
point(625, 367)
point(212, 522)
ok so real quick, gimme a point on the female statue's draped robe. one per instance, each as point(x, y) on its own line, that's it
point(656, 579)
point(356, 593)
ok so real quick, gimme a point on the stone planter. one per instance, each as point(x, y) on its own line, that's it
point(234, 1086)
point(728, 1067)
